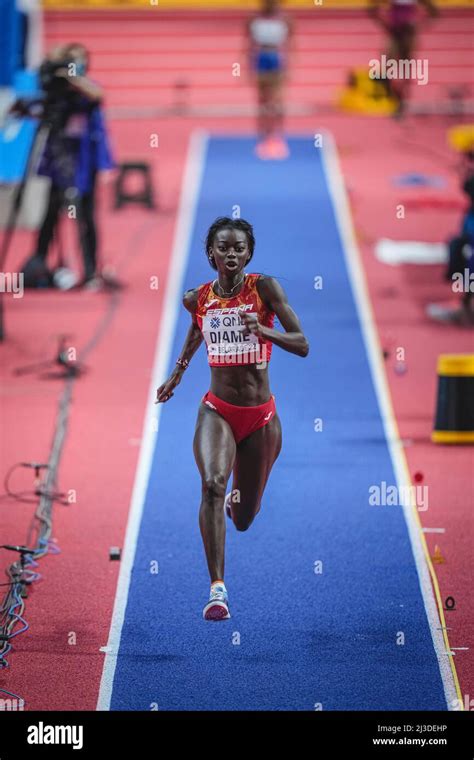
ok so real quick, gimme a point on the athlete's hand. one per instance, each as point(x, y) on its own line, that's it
point(252, 325)
point(165, 391)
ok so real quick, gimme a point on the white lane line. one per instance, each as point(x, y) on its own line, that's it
point(357, 279)
point(190, 187)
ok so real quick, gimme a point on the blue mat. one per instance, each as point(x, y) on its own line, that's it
point(296, 638)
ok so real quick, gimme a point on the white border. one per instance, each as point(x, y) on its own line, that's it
point(357, 279)
point(191, 184)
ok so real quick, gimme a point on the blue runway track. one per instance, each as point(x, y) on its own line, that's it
point(297, 638)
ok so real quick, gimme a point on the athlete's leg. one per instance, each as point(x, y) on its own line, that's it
point(407, 52)
point(88, 232)
point(278, 105)
point(402, 49)
point(254, 460)
point(48, 225)
point(271, 104)
point(214, 451)
point(264, 107)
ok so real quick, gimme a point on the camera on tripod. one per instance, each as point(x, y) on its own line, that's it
point(59, 99)
point(52, 83)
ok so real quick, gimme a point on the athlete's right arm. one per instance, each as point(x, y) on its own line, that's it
point(250, 46)
point(191, 344)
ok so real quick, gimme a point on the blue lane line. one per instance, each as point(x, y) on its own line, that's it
point(296, 638)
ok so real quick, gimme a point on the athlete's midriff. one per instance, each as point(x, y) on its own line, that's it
point(244, 386)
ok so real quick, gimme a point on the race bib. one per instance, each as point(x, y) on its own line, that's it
point(223, 331)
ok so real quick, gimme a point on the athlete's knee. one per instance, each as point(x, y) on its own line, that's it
point(242, 523)
point(214, 485)
point(266, 107)
point(243, 519)
point(278, 105)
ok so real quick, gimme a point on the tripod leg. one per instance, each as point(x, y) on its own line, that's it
point(36, 150)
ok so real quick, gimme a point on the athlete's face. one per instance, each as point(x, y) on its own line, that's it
point(230, 251)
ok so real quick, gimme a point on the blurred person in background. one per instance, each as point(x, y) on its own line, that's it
point(460, 269)
point(400, 19)
point(76, 149)
point(268, 36)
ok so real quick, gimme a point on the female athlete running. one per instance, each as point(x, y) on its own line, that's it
point(238, 430)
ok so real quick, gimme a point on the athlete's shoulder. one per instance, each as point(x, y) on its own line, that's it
point(265, 283)
point(269, 290)
point(191, 296)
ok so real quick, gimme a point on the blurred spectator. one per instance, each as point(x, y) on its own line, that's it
point(76, 150)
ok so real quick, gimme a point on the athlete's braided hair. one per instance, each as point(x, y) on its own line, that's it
point(226, 223)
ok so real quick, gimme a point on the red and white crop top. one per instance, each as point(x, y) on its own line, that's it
point(222, 328)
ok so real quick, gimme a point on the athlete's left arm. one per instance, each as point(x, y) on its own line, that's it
point(274, 297)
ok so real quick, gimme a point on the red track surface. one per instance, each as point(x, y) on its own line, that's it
point(103, 441)
point(101, 451)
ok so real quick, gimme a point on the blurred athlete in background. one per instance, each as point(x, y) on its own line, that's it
point(268, 35)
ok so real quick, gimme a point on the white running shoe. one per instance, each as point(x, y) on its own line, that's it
point(217, 607)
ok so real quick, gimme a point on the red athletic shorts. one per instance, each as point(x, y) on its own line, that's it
point(242, 419)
